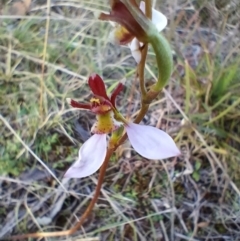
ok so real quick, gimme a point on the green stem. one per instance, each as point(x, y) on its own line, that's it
point(160, 45)
point(141, 66)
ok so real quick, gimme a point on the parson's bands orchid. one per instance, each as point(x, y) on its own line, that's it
point(148, 141)
point(129, 31)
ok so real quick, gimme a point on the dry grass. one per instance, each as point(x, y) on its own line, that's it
point(46, 58)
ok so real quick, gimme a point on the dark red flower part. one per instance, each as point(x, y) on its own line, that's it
point(97, 86)
point(100, 103)
point(100, 106)
point(120, 14)
point(76, 104)
point(115, 93)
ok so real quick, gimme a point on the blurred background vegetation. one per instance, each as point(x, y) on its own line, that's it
point(47, 51)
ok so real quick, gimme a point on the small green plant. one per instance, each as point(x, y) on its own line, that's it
point(196, 174)
point(225, 81)
point(13, 159)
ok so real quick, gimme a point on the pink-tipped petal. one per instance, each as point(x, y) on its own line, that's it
point(151, 142)
point(158, 19)
point(135, 49)
point(91, 157)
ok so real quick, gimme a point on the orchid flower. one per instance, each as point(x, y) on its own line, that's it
point(129, 31)
point(148, 141)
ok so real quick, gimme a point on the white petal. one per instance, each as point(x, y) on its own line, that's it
point(91, 157)
point(151, 142)
point(135, 49)
point(158, 19)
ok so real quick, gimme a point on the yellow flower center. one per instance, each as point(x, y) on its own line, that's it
point(105, 124)
point(99, 107)
point(122, 35)
point(95, 100)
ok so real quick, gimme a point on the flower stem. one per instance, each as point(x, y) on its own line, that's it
point(144, 51)
point(148, 9)
point(160, 46)
point(141, 68)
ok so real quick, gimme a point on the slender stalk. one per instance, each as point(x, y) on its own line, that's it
point(148, 10)
point(141, 67)
point(144, 51)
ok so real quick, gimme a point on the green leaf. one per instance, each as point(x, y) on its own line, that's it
point(222, 83)
point(196, 176)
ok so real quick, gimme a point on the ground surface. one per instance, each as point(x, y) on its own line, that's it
point(45, 60)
